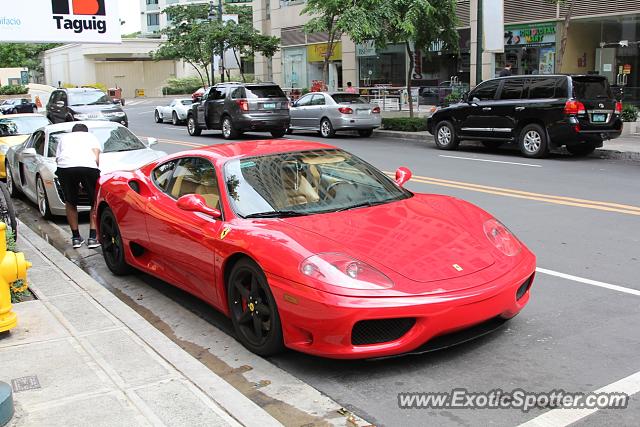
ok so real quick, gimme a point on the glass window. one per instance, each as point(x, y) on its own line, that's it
point(38, 143)
point(24, 125)
point(591, 88)
point(91, 97)
point(186, 101)
point(349, 98)
point(153, 19)
point(217, 93)
point(485, 91)
point(238, 93)
point(162, 174)
point(195, 175)
point(264, 92)
point(542, 88)
point(512, 89)
point(112, 139)
point(383, 66)
point(318, 100)
point(304, 101)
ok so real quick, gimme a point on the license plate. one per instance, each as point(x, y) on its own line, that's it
point(599, 118)
point(363, 112)
point(269, 106)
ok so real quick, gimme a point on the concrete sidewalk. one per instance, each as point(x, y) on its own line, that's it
point(80, 356)
point(623, 148)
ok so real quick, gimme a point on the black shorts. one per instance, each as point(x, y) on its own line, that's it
point(71, 179)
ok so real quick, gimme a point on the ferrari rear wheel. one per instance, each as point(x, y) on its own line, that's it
point(253, 309)
point(112, 244)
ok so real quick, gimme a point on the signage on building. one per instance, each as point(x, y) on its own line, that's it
point(493, 25)
point(64, 21)
point(317, 52)
point(367, 48)
point(24, 78)
point(530, 35)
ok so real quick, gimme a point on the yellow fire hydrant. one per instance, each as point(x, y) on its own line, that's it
point(13, 266)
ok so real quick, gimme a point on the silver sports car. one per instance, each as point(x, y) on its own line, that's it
point(176, 111)
point(31, 166)
point(328, 113)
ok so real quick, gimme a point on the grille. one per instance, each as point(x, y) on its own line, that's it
point(380, 330)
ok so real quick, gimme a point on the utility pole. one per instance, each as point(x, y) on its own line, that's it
point(212, 13)
point(221, 44)
point(479, 46)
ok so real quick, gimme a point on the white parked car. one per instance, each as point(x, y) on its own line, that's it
point(176, 111)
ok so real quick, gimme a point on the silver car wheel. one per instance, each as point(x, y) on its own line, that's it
point(226, 128)
point(191, 125)
point(41, 197)
point(532, 141)
point(325, 128)
point(444, 135)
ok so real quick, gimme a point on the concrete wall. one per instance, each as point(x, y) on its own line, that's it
point(10, 73)
point(580, 53)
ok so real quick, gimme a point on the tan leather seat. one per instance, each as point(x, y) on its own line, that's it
point(297, 188)
point(183, 186)
point(210, 194)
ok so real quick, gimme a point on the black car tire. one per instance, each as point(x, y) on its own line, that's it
point(11, 185)
point(445, 136)
point(192, 127)
point(278, 133)
point(158, 118)
point(229, 130)
point(253, 310)
point(365, 133)
point(112, 245)
point(533, 141)
point(492, 145)
point(8, 211)
point(582, 149)
point(326, 129)
point(174, 119)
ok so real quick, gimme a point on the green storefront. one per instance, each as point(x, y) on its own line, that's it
point(529, 48)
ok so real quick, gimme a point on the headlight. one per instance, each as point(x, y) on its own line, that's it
point(501, 237)
point(81, 116)
point(343, 271)
point(118, 114)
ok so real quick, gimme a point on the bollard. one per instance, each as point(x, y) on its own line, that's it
point(13, 266)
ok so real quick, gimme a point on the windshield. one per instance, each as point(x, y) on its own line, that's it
point(94, 97)
point(304, 183)
point(21, 125)
point(591, 88)
point(112, 139)
point(348, 98)
point(186, 102)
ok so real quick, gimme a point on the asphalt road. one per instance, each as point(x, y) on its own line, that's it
point(579, 333)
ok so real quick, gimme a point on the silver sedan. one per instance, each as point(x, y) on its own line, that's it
point(31, 166)
point(328, 113)
point(176, 111)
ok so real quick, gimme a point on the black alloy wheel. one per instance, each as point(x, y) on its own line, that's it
point(253, 309)
point(112, 244)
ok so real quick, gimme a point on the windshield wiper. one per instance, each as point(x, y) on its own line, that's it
point(366, 204)
point(276, 214)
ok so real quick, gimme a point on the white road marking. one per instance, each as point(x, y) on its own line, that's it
point(491, 161)
point(564, 417)
point(589, 281)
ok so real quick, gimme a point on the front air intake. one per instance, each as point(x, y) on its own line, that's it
point(380, 330)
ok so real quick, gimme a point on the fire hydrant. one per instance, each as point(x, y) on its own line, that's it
point(13, 266)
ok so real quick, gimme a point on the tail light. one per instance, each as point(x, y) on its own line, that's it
point(345, 110)
point(618, 107)
point(243, 104)
point(574, 108)
point(376, 110)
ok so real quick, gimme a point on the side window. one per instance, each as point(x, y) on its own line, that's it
point(162, 174)
point(54, 138)
point(512, 89)
point(485, 91)
point(195, 175)
point(38, 143)
point(318, 100)
point(542, 88)
point(562, 89)
point(55, 96)
point(304, 101)
point(63, 98)
point(217, 93)
point(238, 93)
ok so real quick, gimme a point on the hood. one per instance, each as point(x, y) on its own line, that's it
point(128, 160)
point(409, 237)
point(103, 108)
point(13, 140)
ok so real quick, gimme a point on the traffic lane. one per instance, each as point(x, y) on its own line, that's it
point(567, 337)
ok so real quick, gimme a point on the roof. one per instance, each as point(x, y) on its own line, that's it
point(258, 148)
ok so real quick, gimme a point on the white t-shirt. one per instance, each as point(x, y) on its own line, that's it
point(75, 150)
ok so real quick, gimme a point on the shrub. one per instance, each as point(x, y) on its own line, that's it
point(630, 113)
point(405, 124)
point(186, 85)
point(13, 90)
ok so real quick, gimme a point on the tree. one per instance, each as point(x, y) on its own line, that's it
point(416, 24)
point(245, 41)
point(564, 32)
point(23, 55)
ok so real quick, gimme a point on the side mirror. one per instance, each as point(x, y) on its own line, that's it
point(402, 176)
point(29, 152)
point(196, 203)
point(151, 141)
point(60, 104)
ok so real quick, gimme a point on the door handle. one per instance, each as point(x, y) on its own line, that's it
point(486, 109)
point(520, 108)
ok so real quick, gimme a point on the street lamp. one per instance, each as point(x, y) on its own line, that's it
point(212, 13)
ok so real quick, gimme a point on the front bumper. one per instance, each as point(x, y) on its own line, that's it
point(355, 122)
point(322, 324)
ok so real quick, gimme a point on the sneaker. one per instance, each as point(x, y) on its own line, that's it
point(92, 243)
point(77, 242)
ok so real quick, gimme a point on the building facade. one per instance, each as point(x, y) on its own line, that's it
point(603, 37)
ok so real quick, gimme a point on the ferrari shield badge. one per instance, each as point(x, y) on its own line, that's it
point(457, 267)
point(224, 232)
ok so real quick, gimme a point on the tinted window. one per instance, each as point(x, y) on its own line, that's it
point(264, 92)
point(186, 102)
point(348, 98)
point(195, 175)
point(562, 89)
point(162, 174)
point(542, 88)
point(304, 101)
point(237, 93)
point(94, 97)
point(486, 91)
point(216, 93)
point(591, 88)
point(38, 143)
point(318, 100)
point(512, 89)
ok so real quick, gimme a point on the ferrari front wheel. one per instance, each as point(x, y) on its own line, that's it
point(253, 309)
point(112, 244)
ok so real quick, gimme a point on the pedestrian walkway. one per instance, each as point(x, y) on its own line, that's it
point(80, 356)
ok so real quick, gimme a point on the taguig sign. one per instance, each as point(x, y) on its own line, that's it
point(66, 21)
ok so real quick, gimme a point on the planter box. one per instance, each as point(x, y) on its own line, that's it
point(630, 128)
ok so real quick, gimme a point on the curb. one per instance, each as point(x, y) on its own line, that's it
point(225, 395)
point(600, 153)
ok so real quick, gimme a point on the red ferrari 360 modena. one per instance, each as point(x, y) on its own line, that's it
point(306, 246)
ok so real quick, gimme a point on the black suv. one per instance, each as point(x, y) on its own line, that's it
point(536, 112)
point(67, 105)
point(241, 107)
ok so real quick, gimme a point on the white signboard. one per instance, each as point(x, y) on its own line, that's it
point(230, 61)
point(60, 21)
point(493, 25)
